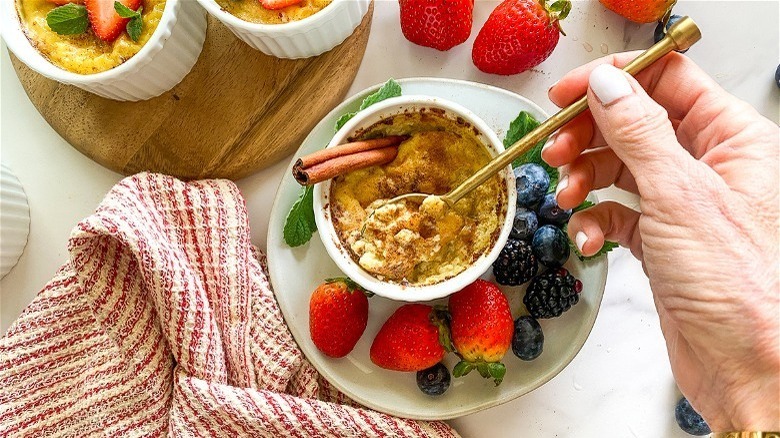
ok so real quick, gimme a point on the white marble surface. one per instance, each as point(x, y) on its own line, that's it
point(620, 384)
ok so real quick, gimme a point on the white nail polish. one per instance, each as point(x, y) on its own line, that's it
point(550, 142)
point(580, 239)
point(609, 84)
point(562, 184)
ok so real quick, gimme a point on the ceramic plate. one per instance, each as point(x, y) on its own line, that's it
point(296, 272)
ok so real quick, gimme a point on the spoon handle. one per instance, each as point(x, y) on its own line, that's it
point(680, 36)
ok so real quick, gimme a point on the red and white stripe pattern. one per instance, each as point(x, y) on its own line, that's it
point(163, 323)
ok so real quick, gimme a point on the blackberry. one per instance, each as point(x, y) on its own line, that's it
point(516, 264)
point(552, 293)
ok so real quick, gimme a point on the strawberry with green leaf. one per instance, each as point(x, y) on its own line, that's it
point(107, 18)
point(481, 328)
point(414, 338)
point(338, 313)
point(518, 35)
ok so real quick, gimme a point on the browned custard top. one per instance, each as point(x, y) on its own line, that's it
point(415, 244)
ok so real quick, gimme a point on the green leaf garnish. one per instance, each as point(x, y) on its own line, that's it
point(607, 247)
point(70, 19)
point(391, 88)
point(300, 224)
point(584, 206)
point(519, 128)
point(136, 23)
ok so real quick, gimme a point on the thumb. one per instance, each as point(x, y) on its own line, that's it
point(636, 128)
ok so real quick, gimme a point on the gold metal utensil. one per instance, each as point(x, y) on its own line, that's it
point(680, 36)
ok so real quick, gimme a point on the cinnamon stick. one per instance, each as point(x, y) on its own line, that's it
point(338, 166)
point(331, 162)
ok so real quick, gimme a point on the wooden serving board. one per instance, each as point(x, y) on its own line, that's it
point(237, 112)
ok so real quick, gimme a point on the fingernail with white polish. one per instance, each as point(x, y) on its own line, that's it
point(609, 84)
point(580, 239)
point(562, 184)
point(550, 142)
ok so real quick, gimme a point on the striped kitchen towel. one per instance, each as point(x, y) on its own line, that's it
point(163, 323)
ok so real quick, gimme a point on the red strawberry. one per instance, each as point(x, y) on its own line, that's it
point(338, 312)
point(518, 35)
point(106, 23)
point(65, 2)
point(441, 24)
point(481, 329)
point(411, 339)
point(640, 11)
point(278, 4)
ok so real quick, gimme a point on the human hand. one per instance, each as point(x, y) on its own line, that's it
point(705, 166)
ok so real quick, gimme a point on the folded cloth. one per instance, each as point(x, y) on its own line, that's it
point(163, 322)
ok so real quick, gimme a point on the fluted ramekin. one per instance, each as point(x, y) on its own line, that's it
point(161, 63)
point(14, 220)
point(311, 36)
point(339, 253)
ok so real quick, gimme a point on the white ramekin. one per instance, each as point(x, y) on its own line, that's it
point(340, 254)
point(14, 220)
point(161, 63)
point(310, 36)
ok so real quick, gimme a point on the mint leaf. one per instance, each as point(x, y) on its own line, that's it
point(300, 224)
point(136, 23)
point(584, 206)
point(391, 88)
point(519, 128)
point(134, 27)
point(124, 11)
point(607, 247)
point(343, 120)
point(70, 19)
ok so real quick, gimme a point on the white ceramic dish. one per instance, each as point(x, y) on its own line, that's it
point(295, 272)
point(161, 63)
point(14, 220)
point(338, 252)
point(304, 38)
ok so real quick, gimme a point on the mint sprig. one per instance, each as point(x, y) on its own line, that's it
point(70, 19)
point(519, 128)
point(300, 224)
point(136, 23)
point(391, 88)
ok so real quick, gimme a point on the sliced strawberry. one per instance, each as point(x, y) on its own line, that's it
point(106, 23)
point(65, 2)
point(278, 4)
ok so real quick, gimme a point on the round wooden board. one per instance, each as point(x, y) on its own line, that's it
point(237, 112)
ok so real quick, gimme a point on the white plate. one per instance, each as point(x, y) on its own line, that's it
point(296, 272)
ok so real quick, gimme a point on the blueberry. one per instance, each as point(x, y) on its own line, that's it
point(525, 224)
point(551, 246)
point(551, 213)
point(528, 339)
point(777, 76)
point(660, 32)
point(532, 183)
point(689, 420)
point(434, 380)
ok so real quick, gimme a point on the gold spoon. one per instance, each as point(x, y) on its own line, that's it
point(680, 36)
